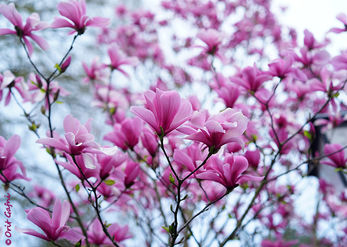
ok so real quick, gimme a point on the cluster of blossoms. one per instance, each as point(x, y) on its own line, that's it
point(160, 160)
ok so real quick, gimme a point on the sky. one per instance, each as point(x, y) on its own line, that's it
point(318, 16)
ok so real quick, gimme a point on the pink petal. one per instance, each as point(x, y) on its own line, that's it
point(60, 22)
point(4, 31)
point(98, 22)
point(68, 10)
point(247, 178)
point(146, 115)
point(40, 41)
point(12, 146)
point(34, 233)
point(29, 46)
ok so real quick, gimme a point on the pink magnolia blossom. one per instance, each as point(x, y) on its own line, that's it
point(10, 82)
point(108, 163)
point(251, 78)
point(7, 151)
point(228, 173)
point(24, 32)
point(336, 155)
point(253, 158)
point(164, 111)
point(37, 90)
point(97, 236)
point(77, 138)
point(126, 134)
point(74, 13)
point(8, 163)
point(223, 128)
point(46, 197)
point(189, 158)
point(229, 93)
point(281, 67)
point(95, 72)
point(54, 227)
point(343, 18)
point(149, 141)
point(118, 59)
point(212, 39)
point(84, 166)
point(132, 171)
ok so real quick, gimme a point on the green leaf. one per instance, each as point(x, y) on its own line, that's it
point(166, 228)
point(172, 179)
point(336, 95)
point(112, 110)
point(109, 182)
point(79, 243)
point(308, 134)
point(59, 102)
point(57, 67)
point(77, 187)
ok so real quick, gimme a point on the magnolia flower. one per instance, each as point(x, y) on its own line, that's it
point(74, 13)
point(164, 111)
point(228, 173)
point(251, 78)
point(336, 155)
point(223, 128)
point(343, 18)
point(126, 134)
point(54, 227)
point(97, 236)
point(77, 138)
point(24, 32)
point(7, 151)
point(118, 59)
point(212, 39)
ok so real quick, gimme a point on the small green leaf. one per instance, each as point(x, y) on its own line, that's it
point(172, 179)
point(109, 182)
point(57, 67)
point(77, 187)
point(59, 102)
point(112, 110)
point(79, 243)
point(42, 90)
point(336, 95)
point(166, 228)
point(33, 127)
point(339, 169)
point(308, 134)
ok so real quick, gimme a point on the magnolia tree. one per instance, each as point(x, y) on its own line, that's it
point(204, 143)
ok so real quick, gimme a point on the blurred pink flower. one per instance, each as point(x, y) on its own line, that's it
point(77, 138)
point(118, 59)
point(74, 13)
point(223, 128)
point(343, 18)
point(228, 173)
point(24, 32)
point(164, 111)
point(251, 78)
point(212, 38)
point(54, 227)
point(126, 134)
point(97, 236)
point(336, 155)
